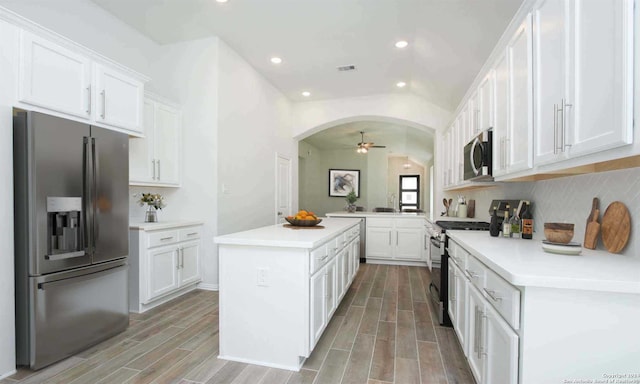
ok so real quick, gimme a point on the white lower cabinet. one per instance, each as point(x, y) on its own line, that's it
point(164, 263)
point(478, 300)
point(162, 273)
point(395, 239)
point(318, 306)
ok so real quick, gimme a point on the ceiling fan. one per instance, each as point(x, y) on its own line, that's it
point(364, 147)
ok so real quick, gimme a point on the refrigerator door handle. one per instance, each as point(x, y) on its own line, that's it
point(86, 195)
point(94, 196)
point(62, 256)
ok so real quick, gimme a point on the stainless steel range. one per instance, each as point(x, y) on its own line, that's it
point(438, 289)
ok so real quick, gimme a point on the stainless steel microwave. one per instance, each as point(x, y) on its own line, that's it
point(478, 158)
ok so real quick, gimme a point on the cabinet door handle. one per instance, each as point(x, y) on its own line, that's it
point(181, 257)
point(158, 162)
point(492, 294)
point(471, 274)
point(389, 237)
point(397, 235)
point(555, 129)
point(177, 258)
point(475, 329)
point(154, 168)
point(104, 103)
point(480, 316)
point(89, 101)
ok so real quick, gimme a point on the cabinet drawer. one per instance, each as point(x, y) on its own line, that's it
point(162, 238)
point(189, 233)
point(458, 254)
point(476, 272)
point(353, 233)
point(409, 223)
point(376, 222)
point(504, 297)
point(320, 256)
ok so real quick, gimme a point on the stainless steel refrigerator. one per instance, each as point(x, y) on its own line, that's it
point(71, 236)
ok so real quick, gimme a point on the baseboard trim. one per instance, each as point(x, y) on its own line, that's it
point(10, 373)
point(208, 287)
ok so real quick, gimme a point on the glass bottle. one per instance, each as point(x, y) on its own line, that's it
point(494, 228)
point(506, 225)
point(527, 223)
point(515, 224)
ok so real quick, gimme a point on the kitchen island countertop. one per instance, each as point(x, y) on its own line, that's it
point(524, 263)
point(280, 236)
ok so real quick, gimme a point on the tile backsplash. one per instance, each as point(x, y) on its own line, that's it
point(569, 199)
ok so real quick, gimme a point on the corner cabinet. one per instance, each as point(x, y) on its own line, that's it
point(164, 262)
point(65, 79)
point(395, 239)
point(155, 158)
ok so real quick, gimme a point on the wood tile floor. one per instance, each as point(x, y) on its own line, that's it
point(382, 333)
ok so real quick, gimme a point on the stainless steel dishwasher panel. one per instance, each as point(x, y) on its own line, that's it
point(74, 310)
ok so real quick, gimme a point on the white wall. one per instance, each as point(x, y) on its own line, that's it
point(314, 116)
point(254, 123)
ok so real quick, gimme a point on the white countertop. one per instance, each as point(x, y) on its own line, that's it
point(280, 236)
point(486, 218)
point(163, 225)
point(524, 263)
point(394, 215)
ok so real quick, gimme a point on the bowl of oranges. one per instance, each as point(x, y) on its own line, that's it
point(303, 219)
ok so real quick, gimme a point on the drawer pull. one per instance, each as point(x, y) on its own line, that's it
point(192, 234)
point(492, 294)
point(471, 274)
point(166, 238)
point(322, 258)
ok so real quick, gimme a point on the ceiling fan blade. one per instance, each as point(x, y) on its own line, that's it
point(377, 146)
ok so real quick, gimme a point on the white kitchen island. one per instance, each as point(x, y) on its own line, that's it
point(279, 288)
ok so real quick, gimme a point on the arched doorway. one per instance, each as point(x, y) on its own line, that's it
point(400, 148)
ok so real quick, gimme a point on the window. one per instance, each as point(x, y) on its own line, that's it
point(409, 192)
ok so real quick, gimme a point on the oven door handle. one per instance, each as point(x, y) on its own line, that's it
point(436, 242)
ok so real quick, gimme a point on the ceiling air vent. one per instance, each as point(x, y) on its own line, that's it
point(344, 68)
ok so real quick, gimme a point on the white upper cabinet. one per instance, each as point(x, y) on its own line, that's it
point(485, 102)
point(473, 118)
point(501, 119)
point(551, 74)
point(119, 99)
point(582, 76)
point(601, 115)
point(54, 77)
point(155, 158)
point(67, 80)
point(519, 146)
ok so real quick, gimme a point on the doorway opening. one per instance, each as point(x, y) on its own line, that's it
point(409, 192)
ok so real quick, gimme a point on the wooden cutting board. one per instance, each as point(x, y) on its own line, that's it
point(616, 227)
point(592, 229)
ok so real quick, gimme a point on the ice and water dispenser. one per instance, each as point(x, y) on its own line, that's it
point(64, 223)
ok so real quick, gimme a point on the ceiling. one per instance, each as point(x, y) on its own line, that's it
point(399, 140)
point(449, 40)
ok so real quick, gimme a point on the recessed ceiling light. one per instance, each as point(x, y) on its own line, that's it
point(306, 93)
point(222, 1)
point(401, 44)
point(276, 60)
point(401, 84)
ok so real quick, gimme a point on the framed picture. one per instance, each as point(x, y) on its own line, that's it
point(343, 181)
